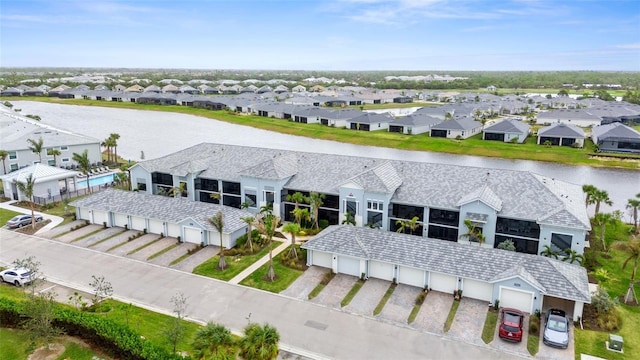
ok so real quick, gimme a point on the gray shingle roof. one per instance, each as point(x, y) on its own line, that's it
point(615, 132)
point(464, 123)
point(562, 130)
point(551, 277)
point(508, 126)
point(484, 194)
point(163, 208)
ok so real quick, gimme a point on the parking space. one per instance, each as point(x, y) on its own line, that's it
point(304, 284)
point(78, 233)
point(171, 255)
point(61, 229)
point(335, 291)
point(134, 244)
point(400, 304)
point(469, 321)
point(433, 312)
point(550, 353)
point(111, 242)
point(368, 297)
point(519, 348)
point(157, 244)
point(197, 258)
point(97, 237)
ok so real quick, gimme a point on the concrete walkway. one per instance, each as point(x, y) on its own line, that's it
point(55, 220)
point(256, 265)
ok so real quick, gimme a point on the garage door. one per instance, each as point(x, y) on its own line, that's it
point(477, 289)
point(381, 270)
point(100, 217)
point(156, 227)
point(321, 259)
point(411, 276)
point(192, 235)
point(516, 299)
point(120, 220)
point(348, 265)
point(443, 283)
point(173, 230)
point(138, 223)
point(85, 214)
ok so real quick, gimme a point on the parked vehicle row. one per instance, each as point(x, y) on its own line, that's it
point(556, 327)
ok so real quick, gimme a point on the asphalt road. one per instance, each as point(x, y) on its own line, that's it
point(305, 328)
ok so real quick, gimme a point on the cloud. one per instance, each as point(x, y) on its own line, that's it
point(629, 46)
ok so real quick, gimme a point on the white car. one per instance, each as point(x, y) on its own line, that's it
point(17, 276)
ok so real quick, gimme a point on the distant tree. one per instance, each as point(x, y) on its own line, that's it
point(549, 252)
point(102, 289)
point(292, 229)
point(55, 153)
point(115, 137)
point(36, 146)
point(571, 256)
point(602, 220)
point(249, 220)
point(563, 92)
point(84, 163)
point(589, 190)
point(632, 249)
point(600, 196)
point(267, 223)
point(634, 205)
point(26, 188)
point(411, 225)
point(3, 156)
point(473, 233)
point(176, 331)
point(349, 219)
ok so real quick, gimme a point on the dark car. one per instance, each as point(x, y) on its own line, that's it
point(21, 220)
point(511, 322)
point(556, 329)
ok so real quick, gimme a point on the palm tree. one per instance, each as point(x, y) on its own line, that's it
point(107, 143)
point(473, 233)
point(218, 222)
point(602, 220)
point(589, 189)
point(600, 196)
point(115, 137)
point(572, 256)
point(37, 146)
point(316, 200)
point(55, 153)
point(448, 116)
point(301, 214)
point(3, 155)
point(259, 342)
point(213, 341)
point(349, 219)
point(267, 224)
point(632, 248)
point(634, 204)
point(249, 220)
point(292, 229)
point(84, 163)
point(27, 189)
point(549, 252)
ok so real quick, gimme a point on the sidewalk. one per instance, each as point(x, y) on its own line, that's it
point(55, 220)
point(256, 265)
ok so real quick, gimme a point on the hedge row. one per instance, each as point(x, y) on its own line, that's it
point(115, 338)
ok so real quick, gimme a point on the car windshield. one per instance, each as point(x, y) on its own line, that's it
point(511, 318)
point(557, 324)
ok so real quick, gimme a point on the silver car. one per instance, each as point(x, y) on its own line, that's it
point(21, 220)
point(556, 329)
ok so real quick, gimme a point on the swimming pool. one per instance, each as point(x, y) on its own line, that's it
point(96, 180)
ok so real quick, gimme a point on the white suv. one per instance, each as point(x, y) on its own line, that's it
point(17, 276)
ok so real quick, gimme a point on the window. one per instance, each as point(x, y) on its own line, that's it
point(231, 188)
point(375, 205)
point(561, 242)
point(142, 184)
point(65, 160)
point(351, 206)
point(64, 148)
point(407, 212)
point(444, 217)
point(13, 167)
point(51, 162)
point(206, 184)
point(443, 233)
point(269, 197)
point(13, 155)
point(162, 178)
point(250, 198)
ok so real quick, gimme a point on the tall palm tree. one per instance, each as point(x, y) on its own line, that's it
point(602, 220)
point(84, 163)
point(267, 223)
point(292, 229)
point(3, 155)
point(218, 222)
point(316, 200)
point(55, 153)
point(632, 248)
point(213, 341)
point(115, 137)
point(37, 146)
point(259, 342)
point(589, 189)
point(27, 189)
point(600, 196)
point(249, 220)
point(634, 204)
point(549, 252)
point(473, 232)
point(301, 214)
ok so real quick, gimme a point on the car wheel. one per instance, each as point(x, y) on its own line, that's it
point(16, 283)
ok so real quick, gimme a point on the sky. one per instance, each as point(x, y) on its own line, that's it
point(323, 35)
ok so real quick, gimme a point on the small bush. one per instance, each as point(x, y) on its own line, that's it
point(327, 277)
point(610, 320)
point(534, 324)
point(323, 223)
point(602, 302)
point(496, 304)
point(420, 298)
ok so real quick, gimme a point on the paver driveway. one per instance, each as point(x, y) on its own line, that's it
point(368, 297)
point(550, 353)
point(335, 291)
point(519, 348)
point(156, 246)
point(433, 312)
point(134, 244)
point(99, 236)
point(400, 304)
point(304, 284)
point(111, 242)
point(469, 321)
point(196, 259)
point(76, 234)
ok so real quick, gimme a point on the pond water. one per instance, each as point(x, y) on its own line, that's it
point(153, 134)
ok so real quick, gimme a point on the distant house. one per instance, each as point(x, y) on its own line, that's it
point(370, 122)
point(561, 134)
point(491, 88)
point(414, 124)
point(463, 127)
point(579, 117)
point(402, 99)
point(11, 92)
point(506, 131)
point(616, 137)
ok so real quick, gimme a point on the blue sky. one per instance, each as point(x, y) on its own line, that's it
point(323, 35)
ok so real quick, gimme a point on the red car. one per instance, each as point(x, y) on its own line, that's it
point(511, 321)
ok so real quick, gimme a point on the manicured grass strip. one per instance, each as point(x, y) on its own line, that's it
point(326, 278)
point(451, 316)
point(14, 344)
point(489, 329)
point(180, 259)
point(162, 252)
point(533, 344)
point(235, 265)
point(384, 299)
point(87, 235)
point(414, 313)
point(285, 276)
point(144, 246)
point(352, 293)
point(107, 238)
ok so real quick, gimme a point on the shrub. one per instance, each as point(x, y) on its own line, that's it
point(323, 223)
point(610, 320)
point(507, 245)
point(602, 302)
point(534, 326)
point(602, 275)
point(496, 304)
point(327, 277)
point(420, 298)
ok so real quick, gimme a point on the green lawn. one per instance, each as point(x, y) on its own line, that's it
point(384, 299)
point(6, 215)
point(422, 142)
point(352, 293)
point(490, 323)
point(14, 345)
point(235, 265)
point(285, 276)
point(451, 315)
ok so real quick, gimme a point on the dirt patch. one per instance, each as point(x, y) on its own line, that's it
point(30, 230)
point(54, 350)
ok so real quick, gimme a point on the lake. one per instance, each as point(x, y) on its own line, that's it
point(156, 134)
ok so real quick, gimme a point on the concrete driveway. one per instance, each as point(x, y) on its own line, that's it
point(335, 291)
point(305, 283)
point(367, 297)
point(400, 304)
point(469, 321)
point(134, 244)
point(433, 312)
point(99, 236)
point(78, 233)
point(121, 238)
